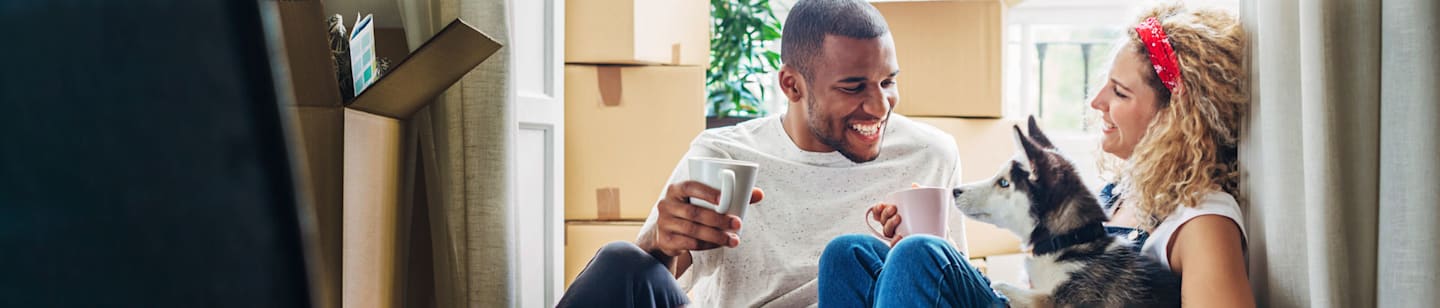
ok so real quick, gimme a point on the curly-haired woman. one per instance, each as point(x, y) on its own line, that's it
point(1176, 139)
point(1171, 110)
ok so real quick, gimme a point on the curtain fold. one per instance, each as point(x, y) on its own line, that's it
point(1339, 132)
point(1409, 259)
point(1339, 153)
point(463, 138)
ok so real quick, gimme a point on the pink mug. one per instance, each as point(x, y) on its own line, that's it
point(922, 210)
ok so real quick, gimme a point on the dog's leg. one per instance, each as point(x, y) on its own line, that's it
point(1022, 297)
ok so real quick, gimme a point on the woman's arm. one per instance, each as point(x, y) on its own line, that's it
point(1206, 253)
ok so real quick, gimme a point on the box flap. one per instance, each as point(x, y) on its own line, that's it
point(307, 49)
point(431, 69)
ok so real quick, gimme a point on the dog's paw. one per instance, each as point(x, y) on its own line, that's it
point(1005, 288)
point(1019, 297)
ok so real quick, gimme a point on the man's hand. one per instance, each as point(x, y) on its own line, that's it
point(889, 218)
point(681, 227)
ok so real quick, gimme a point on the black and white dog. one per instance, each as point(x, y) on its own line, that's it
point(1040, 197)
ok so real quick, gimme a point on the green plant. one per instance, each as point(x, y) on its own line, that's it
point(742, 48)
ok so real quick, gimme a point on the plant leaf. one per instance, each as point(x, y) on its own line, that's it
point(741, 50)
point(769, 32)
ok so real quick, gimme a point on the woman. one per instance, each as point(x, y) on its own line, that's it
point(1171, 112)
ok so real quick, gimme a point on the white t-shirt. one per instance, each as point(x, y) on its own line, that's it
point(1215, 203)
point(810, 198)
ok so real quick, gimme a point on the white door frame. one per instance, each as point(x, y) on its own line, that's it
point(537, 137)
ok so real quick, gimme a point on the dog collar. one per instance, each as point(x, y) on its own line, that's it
point(1055, 243)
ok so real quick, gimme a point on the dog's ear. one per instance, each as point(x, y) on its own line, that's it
point(1034, 155)
point(1039, 136)
point(1020, 141)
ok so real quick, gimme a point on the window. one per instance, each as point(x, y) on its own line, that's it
point(1057, 53)
point(1056, 67)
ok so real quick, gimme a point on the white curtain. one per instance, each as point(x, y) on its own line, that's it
point(1409, 260)
point(463, 138)
point(1342, 179)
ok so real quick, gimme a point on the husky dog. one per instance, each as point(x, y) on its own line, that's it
point(1074, 263)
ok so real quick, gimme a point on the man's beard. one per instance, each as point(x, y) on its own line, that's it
point(822, 131)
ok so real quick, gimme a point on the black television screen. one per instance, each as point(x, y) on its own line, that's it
point(143, 158)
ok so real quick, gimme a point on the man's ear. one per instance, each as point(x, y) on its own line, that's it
point(792, 83)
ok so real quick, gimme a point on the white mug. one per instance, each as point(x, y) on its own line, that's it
point(734, 178)
point(922, 210)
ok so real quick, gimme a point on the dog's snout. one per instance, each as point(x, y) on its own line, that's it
point(956, 192)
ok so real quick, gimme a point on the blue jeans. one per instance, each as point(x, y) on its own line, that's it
point(921, 271)
point(623, 275)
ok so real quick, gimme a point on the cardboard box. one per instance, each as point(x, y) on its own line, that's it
point(626, 127)
point(650, 32)
point(352, 154)
point(583, 239)
point(312, 82)
point(307, 51)
point(985, 146)
point(949, 53)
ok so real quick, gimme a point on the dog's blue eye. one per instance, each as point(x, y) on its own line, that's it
point(1004, 183)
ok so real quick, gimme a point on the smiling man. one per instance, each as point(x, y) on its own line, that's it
point(837, 151)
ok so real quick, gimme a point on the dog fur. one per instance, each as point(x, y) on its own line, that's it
point(1039, 195)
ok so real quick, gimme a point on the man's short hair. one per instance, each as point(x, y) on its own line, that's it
point(811, 20)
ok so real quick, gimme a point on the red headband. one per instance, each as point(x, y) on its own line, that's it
point(1162, 56)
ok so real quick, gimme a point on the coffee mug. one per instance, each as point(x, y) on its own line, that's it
point(922, 210)
point(734, 178)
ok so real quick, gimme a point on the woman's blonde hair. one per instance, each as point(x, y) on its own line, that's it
point(1190, 148)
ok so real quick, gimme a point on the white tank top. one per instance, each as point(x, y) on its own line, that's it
point(1216, 203)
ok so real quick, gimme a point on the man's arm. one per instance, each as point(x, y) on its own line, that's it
point(681, 227)
point(677, 264)
point(647, 238)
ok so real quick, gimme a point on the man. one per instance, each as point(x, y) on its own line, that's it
point(837, 151)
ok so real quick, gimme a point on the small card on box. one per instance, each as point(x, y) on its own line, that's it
point(363, 67)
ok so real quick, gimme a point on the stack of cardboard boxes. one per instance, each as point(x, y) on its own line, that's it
point(634, 99)
point(634, 92)
point(352, 159)
point(950, 53)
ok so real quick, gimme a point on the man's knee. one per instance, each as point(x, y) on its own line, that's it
point(922, 246)
point(622, 274)
point(849, 248)
point(850, 242)
point(621, 250)
point(627, 258)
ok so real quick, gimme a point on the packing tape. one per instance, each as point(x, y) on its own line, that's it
point(608, 200)
point(610, 83)
point(675, 54)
